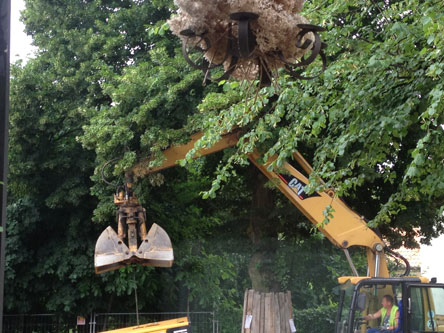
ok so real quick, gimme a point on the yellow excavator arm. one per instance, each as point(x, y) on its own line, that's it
point(344, 229)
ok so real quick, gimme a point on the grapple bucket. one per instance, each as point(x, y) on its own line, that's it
point(149, 249)
point(112, 253)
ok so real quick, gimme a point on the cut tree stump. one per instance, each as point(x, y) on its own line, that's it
point(267, 313)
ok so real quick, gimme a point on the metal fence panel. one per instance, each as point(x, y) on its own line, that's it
point(201, 322)
point(40, 323)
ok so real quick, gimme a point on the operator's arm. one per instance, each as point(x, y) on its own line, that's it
point(372, 316)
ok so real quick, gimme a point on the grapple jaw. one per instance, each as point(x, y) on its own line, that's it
point(112, 253)
point(156, 249)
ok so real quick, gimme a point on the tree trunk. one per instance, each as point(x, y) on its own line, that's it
point(262, 233)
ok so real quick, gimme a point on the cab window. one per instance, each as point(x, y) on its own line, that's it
point(373, 304)
point(426, 309)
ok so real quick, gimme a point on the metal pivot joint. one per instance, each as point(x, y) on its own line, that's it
point(151, 248)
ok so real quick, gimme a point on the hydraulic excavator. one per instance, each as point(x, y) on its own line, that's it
point(421, 302)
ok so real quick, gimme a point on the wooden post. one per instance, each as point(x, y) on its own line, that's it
point(256, 311)
point(245, 306)
point(261, 328)
point(277, 314)
point(268, 323)
point(249, 311)
point(271, 312)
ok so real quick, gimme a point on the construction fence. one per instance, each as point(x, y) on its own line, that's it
point(201, 322)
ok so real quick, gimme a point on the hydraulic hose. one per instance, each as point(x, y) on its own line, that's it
point(397, 255)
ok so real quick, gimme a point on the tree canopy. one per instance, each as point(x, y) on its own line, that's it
point(110, 82)
point(371, 124)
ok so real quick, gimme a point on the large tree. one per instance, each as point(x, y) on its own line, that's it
point(371, 125)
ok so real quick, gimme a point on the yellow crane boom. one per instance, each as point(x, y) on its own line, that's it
point(345, 228)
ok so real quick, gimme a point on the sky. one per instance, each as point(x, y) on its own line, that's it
point(431, 257)
point(21, 47)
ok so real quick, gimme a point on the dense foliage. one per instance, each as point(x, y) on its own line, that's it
point(109, 82)
point(372, 124)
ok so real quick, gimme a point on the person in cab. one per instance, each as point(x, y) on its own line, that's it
point(389, 314)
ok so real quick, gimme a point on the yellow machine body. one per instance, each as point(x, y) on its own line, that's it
point(179, 325)
point(344, 229)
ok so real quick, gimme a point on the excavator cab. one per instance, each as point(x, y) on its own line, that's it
point(420, 303)
point(152, 248)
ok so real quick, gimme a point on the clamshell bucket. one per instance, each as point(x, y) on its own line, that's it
point(111, 253)
point(153, 249)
